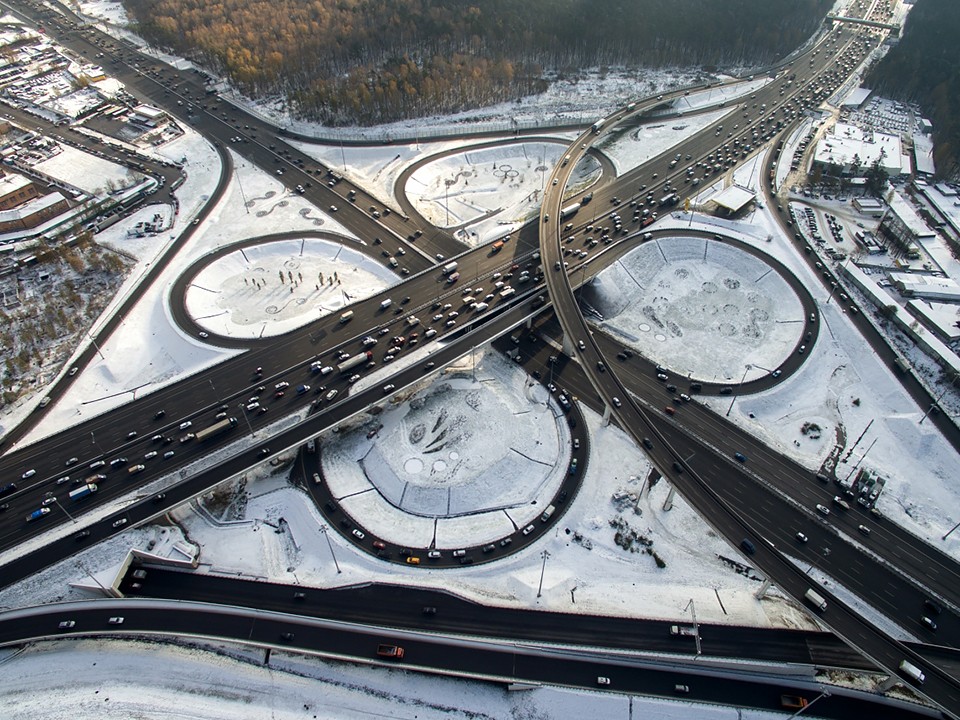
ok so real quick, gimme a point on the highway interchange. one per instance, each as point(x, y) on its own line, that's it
point(699, 432)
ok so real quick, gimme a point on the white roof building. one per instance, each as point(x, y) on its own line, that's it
point(848, 143)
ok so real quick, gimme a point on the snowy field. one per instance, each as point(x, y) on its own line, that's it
point(505, 182)
point(264, 290)
point(672, 297)
point(440, 453)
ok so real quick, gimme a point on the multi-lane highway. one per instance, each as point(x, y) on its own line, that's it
point(233, 380)
point(693, 466)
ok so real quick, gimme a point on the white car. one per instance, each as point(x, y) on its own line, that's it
point(66, 624)
point(601, 680)
point(28, 474)
point(116, 621)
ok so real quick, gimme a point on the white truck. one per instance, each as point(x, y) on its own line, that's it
point(815, 599)
point(677, 630)
point(449, 268)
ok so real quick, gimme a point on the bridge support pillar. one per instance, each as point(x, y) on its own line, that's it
point(567, 347)
point(529, 323)
point(762, 590)
point(606, 415)
point(668, 503)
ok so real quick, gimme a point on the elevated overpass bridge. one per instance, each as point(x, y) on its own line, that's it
point(894, 28)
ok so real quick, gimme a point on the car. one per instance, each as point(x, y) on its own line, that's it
point(413, 560)
point(48, 501)
point(263, 452)
point(116, 620)
point(187, 438)
point(82, 535)
point(358, 534)
point(928, 623)
point(823, 510)
point(681, 689)
point(661, 376)
point(616, 401)
point(117, 462)
point(159, 414)
point(740, 457)
point(669, 410)
point(429, 610)
point(801, 537)
point(864, 530)
point(67, 624)
point(647, 443)
point(528, 529)
point(72, 461)
point(168, 454)
point(185, 425)
point(747, 546)
point(601, 680)
point(28, 474)
point(73, 371)
point(119, 522)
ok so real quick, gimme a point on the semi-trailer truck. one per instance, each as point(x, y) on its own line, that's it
point(83, 491)
point(815, 599)
point(217, 428)
point(569, 210)
point(354, 361)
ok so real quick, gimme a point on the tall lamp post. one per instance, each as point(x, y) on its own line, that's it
point(746, 369)
point(545, 554)
point(324, 529)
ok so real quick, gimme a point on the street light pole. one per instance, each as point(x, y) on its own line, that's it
point(746, 369)
point(323, 529)
point(545, 554)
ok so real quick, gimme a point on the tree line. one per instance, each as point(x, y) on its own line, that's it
point(923, 68)
point(371, 61)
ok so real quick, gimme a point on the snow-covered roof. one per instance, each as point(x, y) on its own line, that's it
point(926, 286)
point(148, 111)
point(31, 207)
point(942, 318)
point(12, 182)
point(908, 216)
point(857, 97)
point(847, 142)
point(733, 198)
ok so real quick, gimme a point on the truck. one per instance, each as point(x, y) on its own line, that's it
point(497, 246)
point(507, 292)
point(548, 513)
point(815, 599)
point(352, 362)
point(217, 428)
point(912, 671)
point(37, 514)
point(597, 127)
point(901, 365)
point(449, 267)
point(569, 210)
point(7, 489)
point(670, 199)
point(83, 491)
point(678, 630)
point(390, 651)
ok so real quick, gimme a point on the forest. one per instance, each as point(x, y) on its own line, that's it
point(373, 61)
point(923, 68)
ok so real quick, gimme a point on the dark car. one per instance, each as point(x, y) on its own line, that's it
point(747, 546)
point(159, 414)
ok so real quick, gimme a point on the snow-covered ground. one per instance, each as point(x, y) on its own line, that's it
point(151, 681)
point(264, 289)
point(670, 298)
point(150, 351)
point(602, 556)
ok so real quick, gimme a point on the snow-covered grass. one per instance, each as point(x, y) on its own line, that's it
point(264, 290)
point(670, 298)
